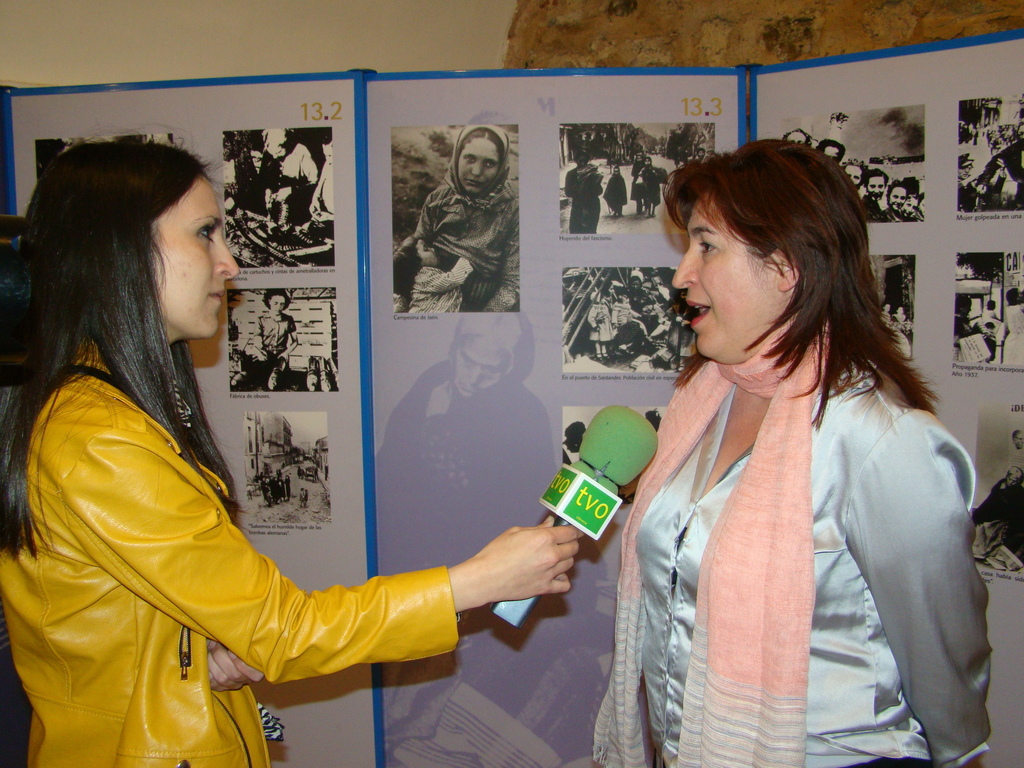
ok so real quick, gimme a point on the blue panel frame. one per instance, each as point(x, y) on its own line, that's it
point(740, 73)
point(884, 53)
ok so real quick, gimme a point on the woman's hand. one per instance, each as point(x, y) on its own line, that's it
point(227, 671)
point(520, 563)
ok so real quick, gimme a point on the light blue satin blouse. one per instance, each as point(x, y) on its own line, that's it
point(899, 657)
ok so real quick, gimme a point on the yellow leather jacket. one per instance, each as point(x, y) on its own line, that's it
point(138, 563)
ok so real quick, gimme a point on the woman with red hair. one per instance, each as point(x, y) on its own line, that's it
point(797, 584)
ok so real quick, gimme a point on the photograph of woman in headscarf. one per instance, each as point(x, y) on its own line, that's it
point(457, 245)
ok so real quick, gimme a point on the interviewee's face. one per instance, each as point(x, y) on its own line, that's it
point(737, 296)
point(196, 264)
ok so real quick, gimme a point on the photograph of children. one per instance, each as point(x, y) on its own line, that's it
point(455, 218)
point(47, 149)
point(286, 467)
point(283, 340)
point(998, 510)
point(989, 162)
point(882, 150)
point(613, 174)
point(622, 319)
point(895, 276)
point(279, 197)
point(989, 309)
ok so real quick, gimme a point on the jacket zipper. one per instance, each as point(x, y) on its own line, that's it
point(185, 651)
point(185, 660)
point(238, 731)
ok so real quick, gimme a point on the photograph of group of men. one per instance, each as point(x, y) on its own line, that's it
point(47, 149)
point(279, 196)
point(622, 319)
point(613, 174)
point(990, 166)
point(882, 150)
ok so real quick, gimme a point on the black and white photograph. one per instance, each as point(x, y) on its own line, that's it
point(998, 509)
point(989, 309)
point(622, 319)
point(612, 175)
point(895, 276)
point(283, 340)
point(286, 468)
point(455, 218)
point(882, 150)
point(279, 197)
point(990, 167)
point(47, 149)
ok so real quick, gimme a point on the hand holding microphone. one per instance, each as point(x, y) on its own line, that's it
point(616, 447)
point(521, 562)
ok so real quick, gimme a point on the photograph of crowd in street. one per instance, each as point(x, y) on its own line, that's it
point(612, 175)
point(882, 151)
point(989, 162)
point(279, 197)
point(622, 319)
point(286, 468)
point(989, 309)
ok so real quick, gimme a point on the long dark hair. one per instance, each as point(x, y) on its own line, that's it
point(96, 276)
point(786, 197)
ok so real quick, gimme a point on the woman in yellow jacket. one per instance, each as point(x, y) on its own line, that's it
point(134, 603)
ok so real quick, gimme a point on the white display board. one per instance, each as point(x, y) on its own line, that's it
point(472, 404)
point(946, 121)
point(311, 518)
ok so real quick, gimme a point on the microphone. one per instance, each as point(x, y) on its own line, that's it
point(616, 447)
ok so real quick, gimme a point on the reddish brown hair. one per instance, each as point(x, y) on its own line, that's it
point(779, 196)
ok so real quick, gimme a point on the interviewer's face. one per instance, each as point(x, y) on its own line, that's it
point(736, 296)
point(196, 264)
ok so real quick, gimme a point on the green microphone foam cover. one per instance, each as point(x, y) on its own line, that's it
point(620, 442)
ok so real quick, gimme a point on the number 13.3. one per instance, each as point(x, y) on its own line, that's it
point(696, 107)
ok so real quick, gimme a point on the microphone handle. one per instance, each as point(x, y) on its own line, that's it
point(515, 612)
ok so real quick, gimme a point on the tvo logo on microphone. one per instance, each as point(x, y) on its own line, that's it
point(581, 501)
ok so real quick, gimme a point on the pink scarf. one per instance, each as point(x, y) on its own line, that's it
point(745, 701)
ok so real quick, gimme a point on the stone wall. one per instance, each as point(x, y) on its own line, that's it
point(652, 33)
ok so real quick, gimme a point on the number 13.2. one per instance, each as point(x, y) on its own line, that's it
point(315, 111)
